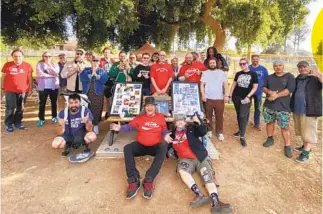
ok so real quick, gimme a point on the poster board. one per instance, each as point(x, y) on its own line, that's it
point(127, 98)
point(186, 98)
point(162, 107)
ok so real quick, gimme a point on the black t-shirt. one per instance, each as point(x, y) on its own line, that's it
point(143, 70)
point(245, 81)
point(279, 83)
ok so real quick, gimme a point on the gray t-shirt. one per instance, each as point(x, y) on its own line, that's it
point(276, 83)
point(214, 80)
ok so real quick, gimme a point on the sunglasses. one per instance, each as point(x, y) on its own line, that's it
point(79, 54)
point(95, 60)
point(243, 63)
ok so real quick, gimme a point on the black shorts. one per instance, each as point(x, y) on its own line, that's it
point(76, 138)
point(107, 91)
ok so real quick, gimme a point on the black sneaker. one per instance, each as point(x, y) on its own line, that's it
point(288, 151)
point(148, 189)
point(243, 142)
point(133, 189)
point(221, 207)
point(237, 134)
point(299, 149)
point(302, 158)
point(268, 142)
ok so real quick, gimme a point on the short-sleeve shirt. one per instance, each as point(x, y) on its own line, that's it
point(143, 70)
point(149, 128)
point(245, 81)
point(262, 73)
point(214, 80)
point(191, 71)
point(16, 77)
point(279, 83)
point(181, 146)
point(161, 72)
point(76, 120)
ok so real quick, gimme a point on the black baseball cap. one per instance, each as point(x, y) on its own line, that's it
point(302, 63)
point(150, 100)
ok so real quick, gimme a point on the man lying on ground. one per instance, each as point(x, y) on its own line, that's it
point(151, 127)
point(75, 128)
point(194, 157)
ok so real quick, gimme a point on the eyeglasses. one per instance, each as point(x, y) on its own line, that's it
point(132, 57)
point(47, 56)
point(79, 54)
point(243, 63)
point(145, 57)
point(95, 60)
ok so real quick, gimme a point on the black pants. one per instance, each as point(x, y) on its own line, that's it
point(243, 111)
point(42, 102)
point(135, 149)
point(14, 108)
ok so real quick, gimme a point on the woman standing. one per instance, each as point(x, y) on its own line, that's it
point(213, 82)
point(220, 61)
point(93, 80)
point(245, 84)
point(48, 84)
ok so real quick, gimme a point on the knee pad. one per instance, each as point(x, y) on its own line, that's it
point(206, 175)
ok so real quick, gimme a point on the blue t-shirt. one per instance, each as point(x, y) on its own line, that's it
point(300, 101)
point(262, 73)
point(76, 120)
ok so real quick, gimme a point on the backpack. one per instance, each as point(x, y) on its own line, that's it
point(66, 113)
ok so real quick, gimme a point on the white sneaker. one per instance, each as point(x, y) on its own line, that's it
point(220, 137)
point(96, 129)
point(209, 134)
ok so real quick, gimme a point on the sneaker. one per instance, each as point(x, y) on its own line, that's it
point(133, 189)
point(237, 134)
point(220, 137)
point(54, 120)
point(302, 158)
point(243, 142)
point(288, 151)
point(96, 129)
point(9, 129)
point(40, 123)
point(81, 158)
point(199, 200)
point(148, 189)
point(268, 142)
point(20, 126)
point(209, 134)
point(221, 207)
point(299, 149)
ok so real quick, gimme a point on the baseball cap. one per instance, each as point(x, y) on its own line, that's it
point(179, 116)
point(302, 63)
point(276, 61)
point(80, 50)
point(61, 54)
point(150, 100)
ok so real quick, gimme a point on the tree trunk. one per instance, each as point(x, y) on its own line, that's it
point(249, 53)
point(214, 24)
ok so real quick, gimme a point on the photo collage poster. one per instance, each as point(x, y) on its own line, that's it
point(186, 98)
point(127, 98)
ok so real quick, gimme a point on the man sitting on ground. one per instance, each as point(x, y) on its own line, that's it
point(194, 157)
point(75, 128)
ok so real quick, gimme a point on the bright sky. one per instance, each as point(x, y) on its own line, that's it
point(315, 8)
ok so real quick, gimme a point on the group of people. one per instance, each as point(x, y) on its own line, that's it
point(94, 76)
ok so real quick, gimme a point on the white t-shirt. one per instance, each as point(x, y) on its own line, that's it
point(214, 80)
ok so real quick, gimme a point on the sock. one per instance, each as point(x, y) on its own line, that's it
point(196, 190)
point(214, 198)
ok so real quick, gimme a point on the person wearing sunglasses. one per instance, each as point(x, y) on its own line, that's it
point(72, 71)
point(244, 85)
point(48, 84)
point(141, 74)
point(17, 84)
point(93, 80)
point(278, 88)
point(154, 58)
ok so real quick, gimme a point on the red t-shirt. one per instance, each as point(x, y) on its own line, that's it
point(103, 62)
point(149, 128)
point(181, 146)
point(161, 73)
point(17, 77)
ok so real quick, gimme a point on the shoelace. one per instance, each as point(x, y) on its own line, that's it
point(148, 186)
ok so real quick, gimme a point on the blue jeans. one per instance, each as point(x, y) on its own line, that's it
point(146, 91)
point(257, 106)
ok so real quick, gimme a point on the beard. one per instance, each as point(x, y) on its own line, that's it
point(74, 109)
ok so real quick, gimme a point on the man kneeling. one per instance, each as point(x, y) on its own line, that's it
point(194, 157)
point(75, 129)
point(151, 127)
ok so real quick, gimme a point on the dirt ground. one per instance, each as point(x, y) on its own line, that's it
point(36, 179)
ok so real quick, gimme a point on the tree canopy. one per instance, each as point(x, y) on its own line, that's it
point(132, 23)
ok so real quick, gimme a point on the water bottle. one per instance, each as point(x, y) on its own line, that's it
point(242, 102)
